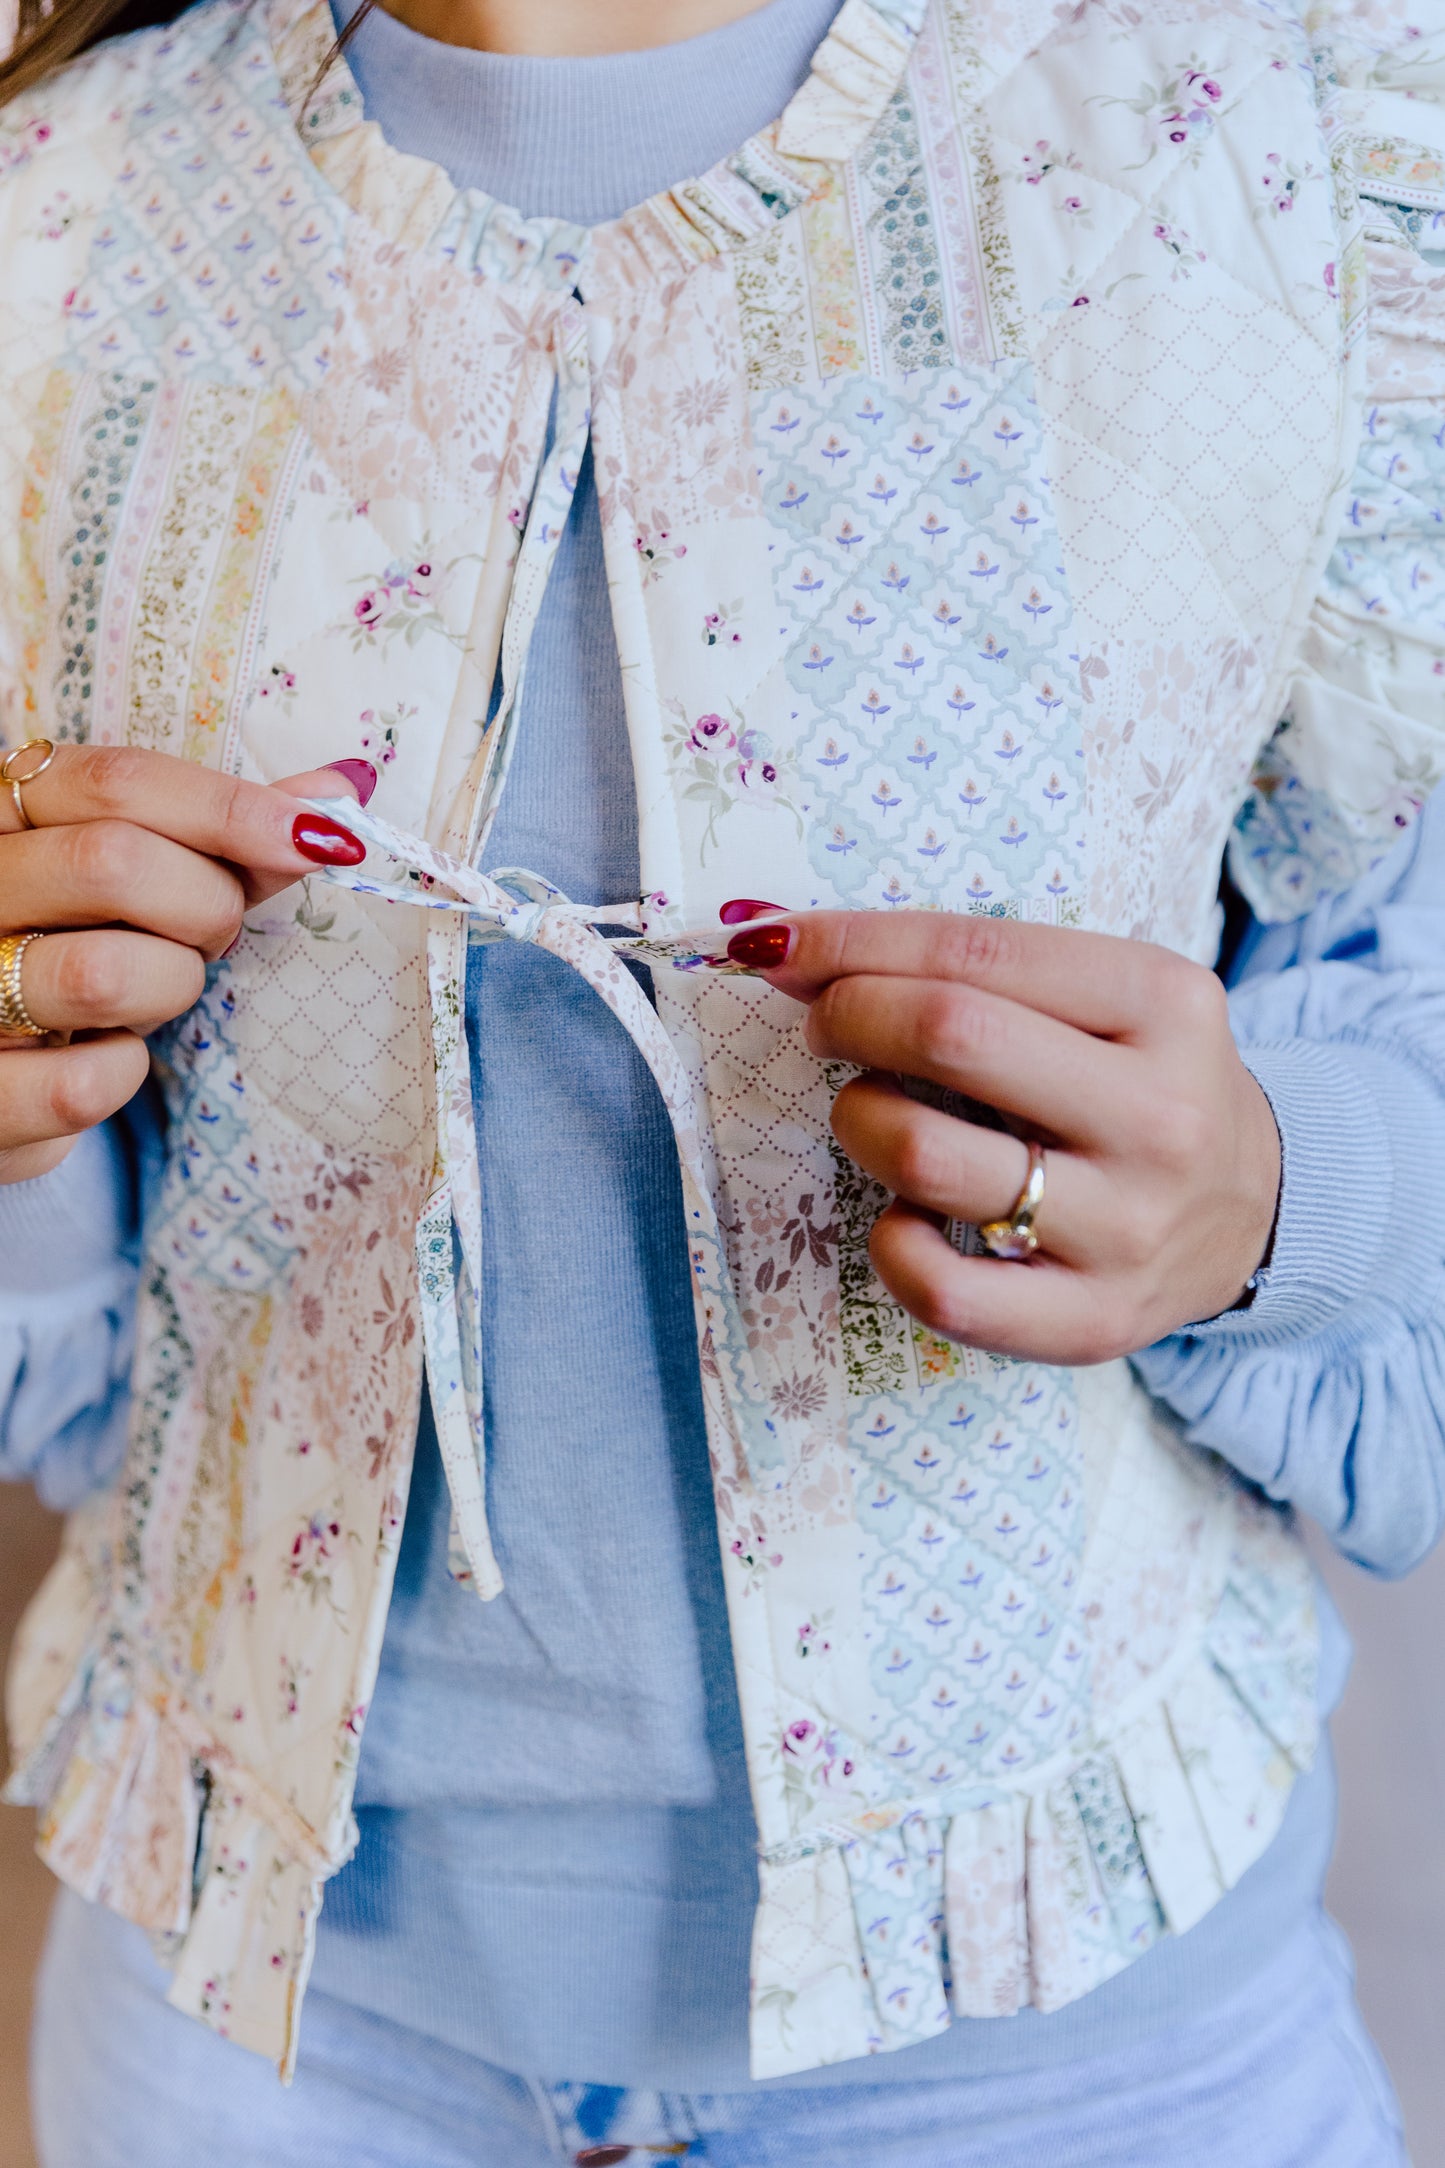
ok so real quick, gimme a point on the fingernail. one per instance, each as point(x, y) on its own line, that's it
point(744, 907)
point(762, 948)
point(325, 842)
point(357, 772)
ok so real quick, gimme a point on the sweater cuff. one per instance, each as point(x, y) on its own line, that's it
point(1356, 1212)
point(65, 1226)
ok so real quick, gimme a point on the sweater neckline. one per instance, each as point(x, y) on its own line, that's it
point(854, 73)
point(583, 138)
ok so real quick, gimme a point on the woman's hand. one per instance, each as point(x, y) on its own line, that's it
point(1163, 1160)
point(137, 868)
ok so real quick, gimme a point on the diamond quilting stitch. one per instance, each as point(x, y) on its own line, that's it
point(199, 260)
point(890, 502)
point(970, 1577)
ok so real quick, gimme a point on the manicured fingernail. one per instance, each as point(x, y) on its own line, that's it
point(762, 948)
point(325, 842)
point(359, 773)
point(745, 907)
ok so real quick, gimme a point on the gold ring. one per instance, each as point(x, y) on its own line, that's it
point(17, 782)
point(15, 1018)
point(1014, 1236)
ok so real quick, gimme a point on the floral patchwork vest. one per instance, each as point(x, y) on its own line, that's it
point(1020, 467)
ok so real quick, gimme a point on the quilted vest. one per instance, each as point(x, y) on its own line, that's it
point(974, 447)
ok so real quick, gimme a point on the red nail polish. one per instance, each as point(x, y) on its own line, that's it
point(762, 948)
point(357, 772)
point(745, 907)
point(325, 842)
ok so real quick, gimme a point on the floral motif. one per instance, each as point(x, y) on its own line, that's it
point(720, 627)
point(723, 764)
point(400, 602)
point(382, 731)
point(1034, 166)
point(1178, 112)
point(1282, 180)
point(656, 550)
point(750, 1548)
point(1186, 253)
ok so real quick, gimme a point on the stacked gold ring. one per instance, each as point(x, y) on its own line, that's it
point(15, 1018)
point(16, 783)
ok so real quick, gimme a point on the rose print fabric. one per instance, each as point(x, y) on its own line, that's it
point(974, 448)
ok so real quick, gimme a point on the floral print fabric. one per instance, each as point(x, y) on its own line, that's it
point(970, 450)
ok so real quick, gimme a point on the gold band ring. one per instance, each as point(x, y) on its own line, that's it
point(16, 782)
point(1014, 1236)
point(15, 1018)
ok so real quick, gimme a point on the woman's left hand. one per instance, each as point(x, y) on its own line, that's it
point(1162, 1156)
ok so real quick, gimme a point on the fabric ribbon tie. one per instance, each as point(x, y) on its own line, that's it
point(515, 904)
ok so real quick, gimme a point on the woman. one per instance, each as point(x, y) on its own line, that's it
point(901, 545)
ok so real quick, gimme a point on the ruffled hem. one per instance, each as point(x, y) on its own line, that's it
point(870, 1934)
point(873, 1937)
point(141, 1812)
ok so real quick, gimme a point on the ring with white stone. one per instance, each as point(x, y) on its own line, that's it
point(1014, 1237)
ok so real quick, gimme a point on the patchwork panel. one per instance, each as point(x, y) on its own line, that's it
point(935, 692)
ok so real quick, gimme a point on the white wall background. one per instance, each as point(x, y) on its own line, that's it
point(1387, 1887)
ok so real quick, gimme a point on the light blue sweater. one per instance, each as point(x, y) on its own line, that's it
point(567, 1889)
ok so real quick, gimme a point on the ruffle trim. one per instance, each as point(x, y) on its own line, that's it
point(1362, 743)
point(881, 1937)
point(142, 1811)
point(869, 1936)
point(855, 72)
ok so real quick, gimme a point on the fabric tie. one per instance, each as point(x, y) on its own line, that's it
point(515, 904)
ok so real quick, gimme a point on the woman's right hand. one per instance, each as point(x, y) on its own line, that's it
point(137, 868)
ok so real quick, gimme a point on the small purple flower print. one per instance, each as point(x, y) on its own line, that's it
point(381, 732)
point(1178, 111)
point(710, 734)
point(751, 1550)
point(757, 778)
point(1043, 159)
point(278, 684)
point(718, 627)
point(367, 610)
point(656, 550)
point(1186, 252)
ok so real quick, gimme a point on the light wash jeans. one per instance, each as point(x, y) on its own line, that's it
point(1282, 2076)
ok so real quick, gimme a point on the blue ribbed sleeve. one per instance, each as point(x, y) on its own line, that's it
point(1329, 1390)
point(68, 1259)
